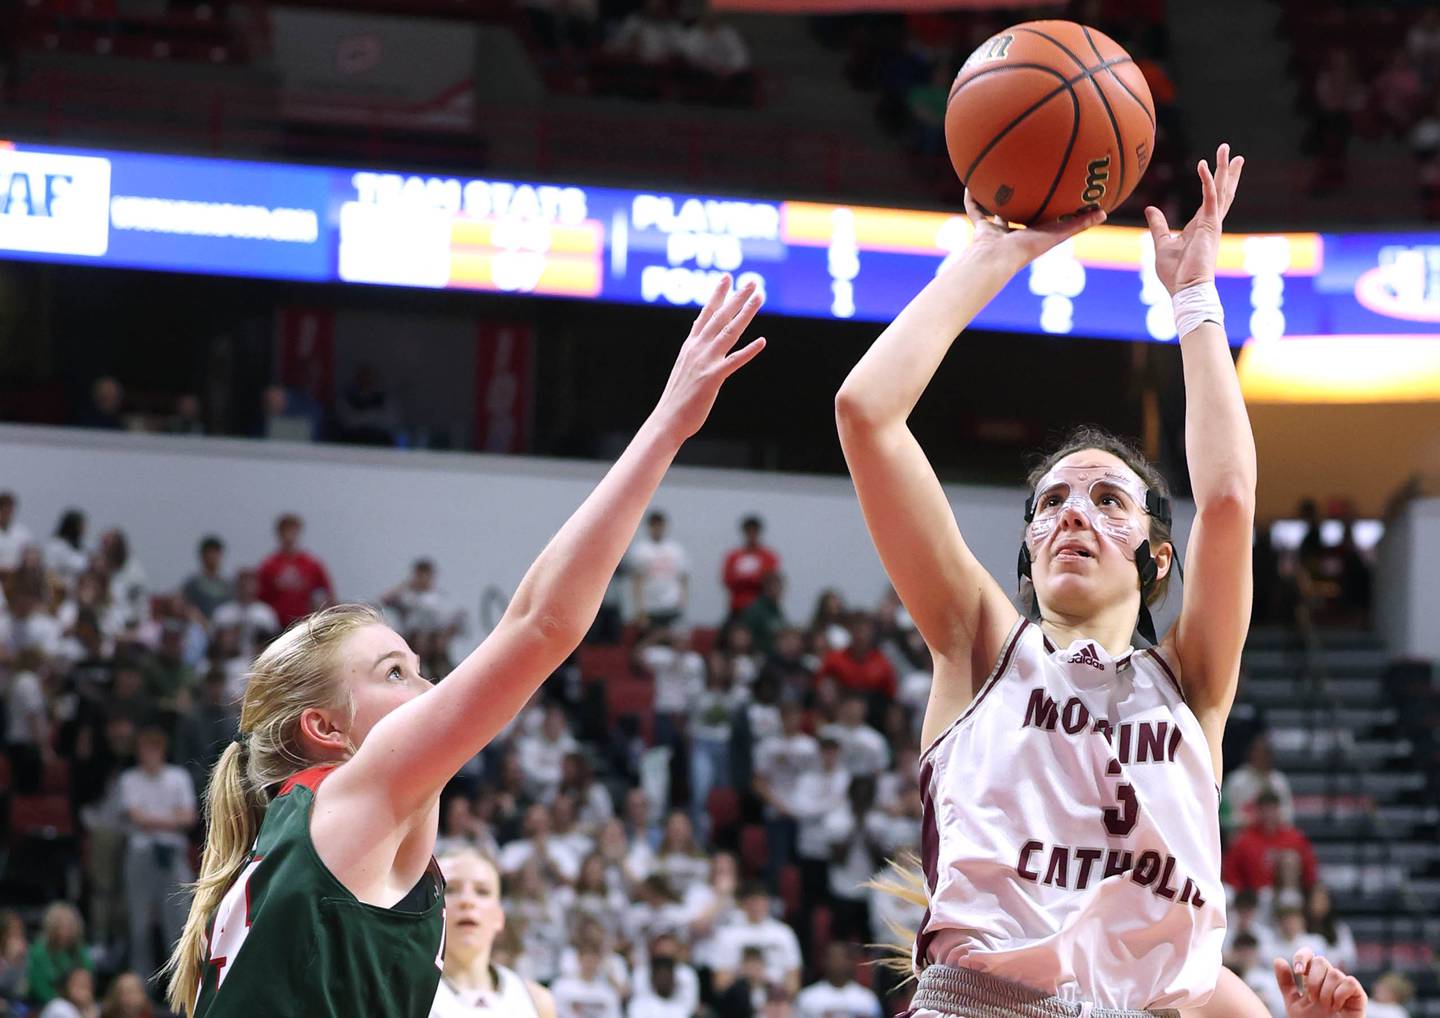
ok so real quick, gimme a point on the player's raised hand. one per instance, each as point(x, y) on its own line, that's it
point(1327, 993)
point(1023, 244)
point(708, 357)
point(1188, 257)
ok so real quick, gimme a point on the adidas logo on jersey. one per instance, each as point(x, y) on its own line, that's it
point(1087, 656)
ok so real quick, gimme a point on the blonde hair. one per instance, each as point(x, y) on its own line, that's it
point(61, 914)
point(294, 674)
point(904, 878)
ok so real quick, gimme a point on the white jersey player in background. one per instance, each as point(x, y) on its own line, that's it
point(1071, 845)
point(470, 986)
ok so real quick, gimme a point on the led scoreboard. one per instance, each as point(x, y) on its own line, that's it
point(328, 224)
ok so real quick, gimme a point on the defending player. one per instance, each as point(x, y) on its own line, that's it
point(318, 895)
point(1071, 848)
point(470, 986)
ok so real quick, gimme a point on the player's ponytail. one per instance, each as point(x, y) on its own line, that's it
point(295, 673)
point(904, 879)
point(233, 813)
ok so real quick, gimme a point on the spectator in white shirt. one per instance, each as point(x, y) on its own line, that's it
point(715, 48)
point(863, 750)
point(1339, 943)
point(565, 829)
point(65, 551)
point(680, 859)
point(128, 583)
point(780, 762)
point(712, 717)
point(1244, 784)
point(711, 906)
point(1244, 959)
point(27, 721)
point(77, 996)
point(757, 929)
point(679, 675)
point(1290, 934)
point(159, 802)
point(420, 609)
point(1392, 992)
point(29, 626)
point(593, 804)
point(649, 37)
point(588, 994)
point(857, 837)
point(256, 622)
point(15, 536)
point(558, 864)
point(542, 755)
point(92, 593)
point(1246, 916)
point(661, 575)
point(665, 987)
point(838, 995)
point(818, 793)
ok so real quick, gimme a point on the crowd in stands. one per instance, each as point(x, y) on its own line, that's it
point(1371, 74)
point(909, 62)
point(659, 49)
point(1318, 581)
point(724, 830)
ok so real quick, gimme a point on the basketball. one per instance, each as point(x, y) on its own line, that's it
point(1048, 119)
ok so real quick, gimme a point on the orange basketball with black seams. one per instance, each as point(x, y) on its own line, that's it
point(1049, 119)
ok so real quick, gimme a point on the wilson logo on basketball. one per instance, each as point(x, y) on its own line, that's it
point(997, 48)
point(1096, 174)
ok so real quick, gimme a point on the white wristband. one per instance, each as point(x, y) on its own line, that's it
point(1196, 304)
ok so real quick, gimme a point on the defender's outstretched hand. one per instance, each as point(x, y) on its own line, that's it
point(1023, 244)
point(1328, 993)
point(706, 358)
point(1188, 257)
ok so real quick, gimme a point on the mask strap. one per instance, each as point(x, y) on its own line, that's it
point(1022, 571)
point(1149, 571)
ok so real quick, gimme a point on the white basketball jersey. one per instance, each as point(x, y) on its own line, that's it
point(511, 999)
point(1072, 836)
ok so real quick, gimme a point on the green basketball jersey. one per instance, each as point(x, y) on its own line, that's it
point(289, 939)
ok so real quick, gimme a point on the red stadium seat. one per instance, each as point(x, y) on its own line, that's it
point(702, 640)
point(754, 850)
point(790, 890)
point(820, 927)
point(56, 778)
point(41, 816)
point(723, 805)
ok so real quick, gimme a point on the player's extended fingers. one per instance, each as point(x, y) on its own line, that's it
point(1333, 978)
point(972, 209)
point(1302, 959)
point(731, 331)
point(1315, 974)
point(747, 353)
point(1159, 228)
point(1232, 183)
point(1285, 979)
point(726, 312)
point(717, 297)
point(1350, 996)
point(1209, 200)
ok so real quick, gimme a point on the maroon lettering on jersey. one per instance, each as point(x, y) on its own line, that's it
point(1147, 868)
point(1022, 865)
point(1040, 712)
point(1075, 717)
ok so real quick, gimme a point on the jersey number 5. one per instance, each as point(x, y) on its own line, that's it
point(1120, 819)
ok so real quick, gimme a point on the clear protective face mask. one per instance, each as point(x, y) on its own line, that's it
point(1111, 499)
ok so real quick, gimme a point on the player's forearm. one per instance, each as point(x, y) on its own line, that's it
point(1219, 445)
point(889, 380)
point(562, 591)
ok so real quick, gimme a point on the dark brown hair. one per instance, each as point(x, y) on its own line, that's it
point(1087, 436)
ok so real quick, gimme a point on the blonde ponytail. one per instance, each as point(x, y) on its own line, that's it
point(233, 813)
point(295, 673)
point(904, 879)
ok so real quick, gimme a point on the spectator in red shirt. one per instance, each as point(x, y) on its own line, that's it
point(293, 582)
point(747, 566)
point(1251, 862)
point(861, 667)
